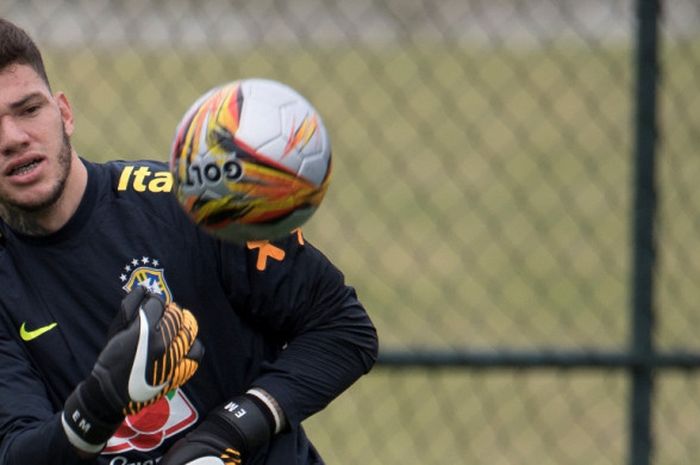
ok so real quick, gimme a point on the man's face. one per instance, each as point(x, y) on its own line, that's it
point(35, 130)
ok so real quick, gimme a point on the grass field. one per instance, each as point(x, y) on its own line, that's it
point(481, 198)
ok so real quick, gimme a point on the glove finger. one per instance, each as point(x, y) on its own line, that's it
point(186, 335)
point(178, 331)
point(174, 318)
point(190, 325)
point(188, 365)
point(186, 452)
point(196, 352)
point(228, 457)
point(154, 309)
point(183, 372)
point(128, 310)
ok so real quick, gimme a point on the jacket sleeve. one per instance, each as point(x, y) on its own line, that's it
point(30, 428)
point(294, 293)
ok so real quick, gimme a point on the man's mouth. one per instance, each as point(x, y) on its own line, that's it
point(24, 169)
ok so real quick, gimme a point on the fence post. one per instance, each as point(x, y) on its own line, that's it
point(644, 252)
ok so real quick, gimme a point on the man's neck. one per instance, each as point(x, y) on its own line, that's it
point(23, 222)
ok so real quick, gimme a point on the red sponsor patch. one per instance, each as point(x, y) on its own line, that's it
point(151, 426)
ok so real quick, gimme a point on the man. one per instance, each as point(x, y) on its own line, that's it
point(97, 362)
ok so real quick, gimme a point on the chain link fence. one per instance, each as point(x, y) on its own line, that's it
point(482, 197)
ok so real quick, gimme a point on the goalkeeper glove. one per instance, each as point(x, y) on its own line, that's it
point(151, 349)
point(227, 435)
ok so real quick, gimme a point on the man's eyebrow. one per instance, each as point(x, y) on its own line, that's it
point(27, 98)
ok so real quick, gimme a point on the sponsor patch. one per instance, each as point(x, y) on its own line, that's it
point(151, 426)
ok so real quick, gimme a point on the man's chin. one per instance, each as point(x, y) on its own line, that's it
point(31, 204)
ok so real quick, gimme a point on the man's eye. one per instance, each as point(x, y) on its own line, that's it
point(31, 110)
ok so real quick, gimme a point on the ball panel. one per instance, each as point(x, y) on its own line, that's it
point(260, 122)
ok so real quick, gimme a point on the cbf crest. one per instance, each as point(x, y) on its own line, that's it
point(146, 272)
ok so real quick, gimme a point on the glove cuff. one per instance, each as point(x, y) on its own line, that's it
point(248, 420)
point(87, 419)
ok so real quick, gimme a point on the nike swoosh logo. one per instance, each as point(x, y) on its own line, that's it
point(35, 333)
point(139, 389)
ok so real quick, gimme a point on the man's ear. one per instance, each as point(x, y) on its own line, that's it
point(66, 112)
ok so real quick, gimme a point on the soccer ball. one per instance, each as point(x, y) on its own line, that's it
point(251, 160)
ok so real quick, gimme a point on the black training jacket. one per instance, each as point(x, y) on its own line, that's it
point(274, 315)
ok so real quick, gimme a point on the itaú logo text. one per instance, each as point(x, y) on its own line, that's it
point(148, 429)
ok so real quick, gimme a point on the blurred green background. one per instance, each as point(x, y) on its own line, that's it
point(481, 196)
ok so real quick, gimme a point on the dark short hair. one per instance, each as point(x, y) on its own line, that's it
point(16, 47)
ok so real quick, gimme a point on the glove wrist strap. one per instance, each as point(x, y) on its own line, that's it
point(83, 427)
point(249, 419)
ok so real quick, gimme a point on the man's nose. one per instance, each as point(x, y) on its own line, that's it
point(12, 136)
